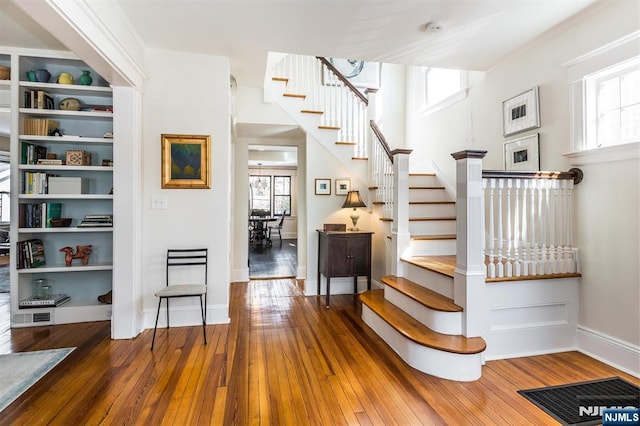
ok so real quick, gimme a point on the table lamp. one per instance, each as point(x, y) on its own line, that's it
point(353, 201)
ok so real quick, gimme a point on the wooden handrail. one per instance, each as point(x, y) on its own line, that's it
point(574, 174)
point(381, 139)
point(343, 79)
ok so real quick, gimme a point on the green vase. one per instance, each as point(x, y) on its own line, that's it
point(85, 78)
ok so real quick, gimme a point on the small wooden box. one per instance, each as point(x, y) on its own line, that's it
point(340, 227)
point(78, 158)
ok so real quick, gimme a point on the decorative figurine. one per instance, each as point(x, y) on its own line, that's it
point(82, 252)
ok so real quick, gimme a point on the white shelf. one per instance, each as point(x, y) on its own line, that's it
point(89, 115)
point(64, 167)
point(5, 83)
point(75, 267)
point(66, 139)
point(68, 88)
point(65, 196)
point(67, 229)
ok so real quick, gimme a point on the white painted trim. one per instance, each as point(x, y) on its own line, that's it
point(627, 151)
point(515, 310)
point(610, 350)
point(186, 316)
point(240, 275)
point(523, 354)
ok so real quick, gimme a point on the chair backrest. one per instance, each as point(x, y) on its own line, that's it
point(188, 259)
point(281, 221)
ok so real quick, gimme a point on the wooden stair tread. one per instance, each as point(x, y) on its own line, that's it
point(420, 294)
point(311, 111)
point(418, 332)
point(329, 127)
point(285, 79)
point(426, 187)
point(386, 219)
point(422, 219)
point(422, 174)
point(360, 158)
point(346, 143)
point(294, 95)
point(444, 265)
point(434, 237)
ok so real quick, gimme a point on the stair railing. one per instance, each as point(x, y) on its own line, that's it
point(529, 223)
point(329, 94)
point(381, 170)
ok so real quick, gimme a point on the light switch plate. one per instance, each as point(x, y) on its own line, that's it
point(158, 202)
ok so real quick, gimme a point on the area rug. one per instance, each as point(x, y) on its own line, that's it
point(19, 371)
point(4, 279)
point(582, 403)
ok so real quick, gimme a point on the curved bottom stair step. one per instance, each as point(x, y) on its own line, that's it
point(452, 357)
point(416, 331)
point(422, 295)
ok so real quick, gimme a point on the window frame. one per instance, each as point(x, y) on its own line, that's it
point(420, 77)
point(274, 195)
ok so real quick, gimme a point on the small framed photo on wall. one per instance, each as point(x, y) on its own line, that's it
point(343, 186)
point(323, 186)
point(522, 153)
point(521, 113)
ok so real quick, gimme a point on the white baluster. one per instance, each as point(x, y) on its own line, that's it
point(516, 228)
point(524, 235)
point(533, 241)
point(491, 271)
point(509, 241)
point(500, 271)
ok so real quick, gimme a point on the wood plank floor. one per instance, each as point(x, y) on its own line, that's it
point(285, 359)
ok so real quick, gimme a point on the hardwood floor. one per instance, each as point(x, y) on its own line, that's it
point(273, 261)
point(284, 359)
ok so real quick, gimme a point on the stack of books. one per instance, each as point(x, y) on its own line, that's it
point(96, 220)
point(30, 254)
point(38, 215)
point(51, 302)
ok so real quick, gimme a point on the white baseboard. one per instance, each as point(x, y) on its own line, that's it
point(186, 316)
point(610, 350)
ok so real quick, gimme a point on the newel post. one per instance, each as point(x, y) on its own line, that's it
point(470, 272)
point(400, 224)
point(373, 113)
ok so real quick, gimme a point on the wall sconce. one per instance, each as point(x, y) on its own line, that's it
point(353, 201)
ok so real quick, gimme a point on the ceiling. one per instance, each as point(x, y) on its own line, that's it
point(474, 35)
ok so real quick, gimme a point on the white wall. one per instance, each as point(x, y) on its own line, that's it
point(606, 202)
point(187, 94)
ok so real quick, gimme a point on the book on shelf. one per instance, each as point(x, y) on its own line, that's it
point(38, 215)
point(39, 126)
point(50, 162)
point(38, 99)
point(96, 220)
point(30, 254)
point(52, 302)
point(32, 154)
point(34, 183)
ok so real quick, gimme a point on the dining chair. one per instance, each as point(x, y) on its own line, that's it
point(278, 228)
point(190, 262)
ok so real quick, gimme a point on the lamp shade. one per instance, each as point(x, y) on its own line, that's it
point(353, 200)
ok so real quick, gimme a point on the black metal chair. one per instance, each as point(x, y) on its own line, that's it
point(277, 227)
point(184, 260)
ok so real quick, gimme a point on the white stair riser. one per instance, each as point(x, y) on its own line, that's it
point(433, 247)
point(423, 180)
point(432, 227)
point(432, 210)
point(442, 322)
point(446, 365)
point(439, 283)
point(427, 195)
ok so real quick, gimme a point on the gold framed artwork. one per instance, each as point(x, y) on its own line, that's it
point(185, 161)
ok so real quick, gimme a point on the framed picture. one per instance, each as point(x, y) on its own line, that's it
point(343, 186)
point(521, 113)
point(185, 161)
point(359, 73)
point(522, 153)
point(323, 186)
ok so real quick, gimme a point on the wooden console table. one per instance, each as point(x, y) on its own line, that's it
point(344, 254)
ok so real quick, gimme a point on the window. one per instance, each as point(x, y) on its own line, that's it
point(604, 95)
point(281, 195)
point(260, 193)
point(437, 88)
point(612, 113)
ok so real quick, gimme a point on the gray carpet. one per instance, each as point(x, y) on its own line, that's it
point(19, 371)
point(4, 279)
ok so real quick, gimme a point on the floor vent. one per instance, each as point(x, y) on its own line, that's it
point(31, 318)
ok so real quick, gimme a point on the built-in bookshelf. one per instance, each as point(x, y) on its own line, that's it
point(64, 171)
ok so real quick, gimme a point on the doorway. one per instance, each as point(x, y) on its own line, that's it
point(273, 213)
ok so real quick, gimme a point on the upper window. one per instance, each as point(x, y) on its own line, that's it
point(612, 113)
point(282, 195)
point(437, 88)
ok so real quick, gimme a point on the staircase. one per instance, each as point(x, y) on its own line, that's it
point(414, 313)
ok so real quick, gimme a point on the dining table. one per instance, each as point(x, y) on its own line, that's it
point(259, 229)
